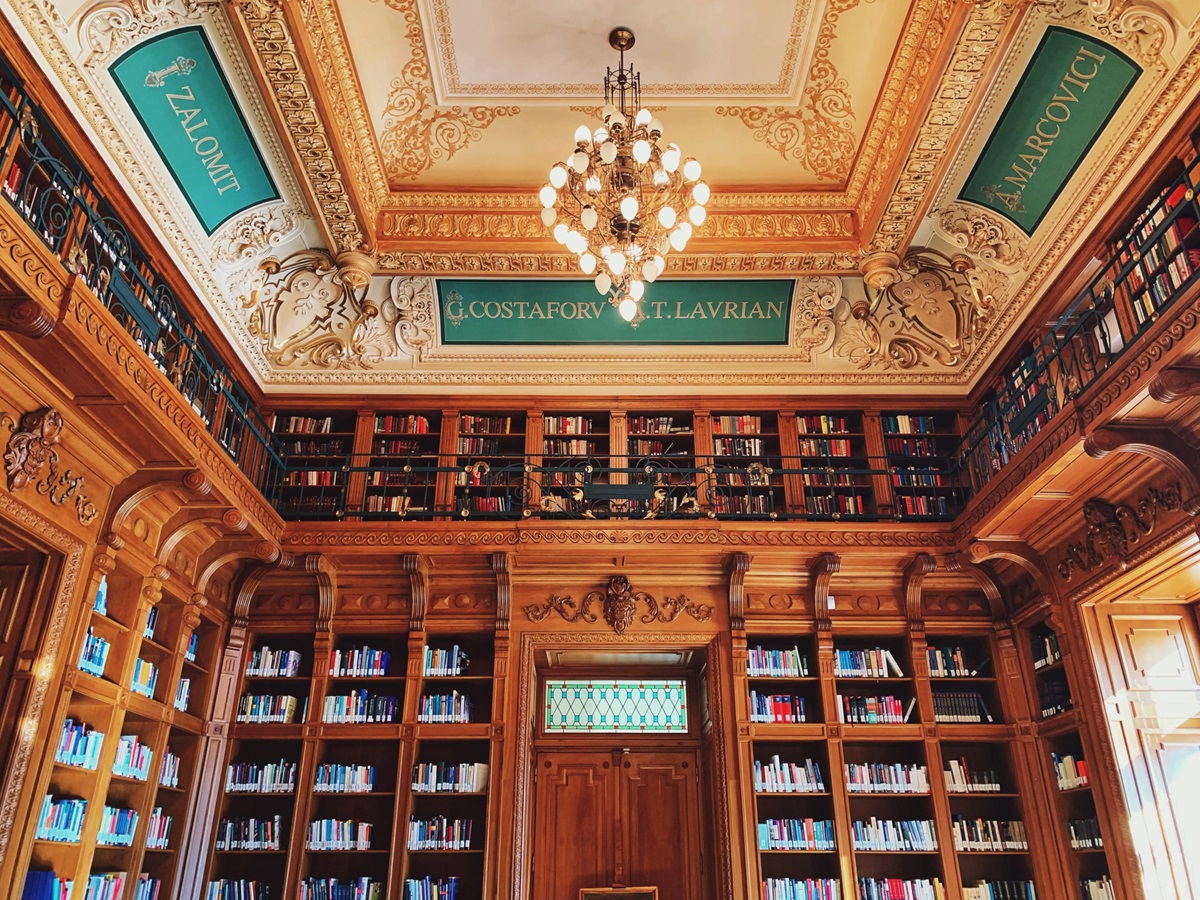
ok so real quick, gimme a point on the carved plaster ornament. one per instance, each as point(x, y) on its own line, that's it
point(1142, 30)
point(619, 607)
point(312, 310)
point(258, 231)
point(984, 236)
point(106, 27)
point(1112, 530)
point(813, 318)
point(820, 132)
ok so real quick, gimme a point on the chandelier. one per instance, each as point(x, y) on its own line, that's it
point(621, 201)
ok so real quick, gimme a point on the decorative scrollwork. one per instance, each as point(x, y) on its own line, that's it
point(1112, 530)
point(619, 607)
point(30, 446)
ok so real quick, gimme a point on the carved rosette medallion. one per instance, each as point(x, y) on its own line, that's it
point(618, 605)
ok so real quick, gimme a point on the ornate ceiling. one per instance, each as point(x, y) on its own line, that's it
point(408, 139)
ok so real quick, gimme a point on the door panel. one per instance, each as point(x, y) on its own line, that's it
point(617, 817)
point(572, 823)
point(662, 823)
point(21, 620)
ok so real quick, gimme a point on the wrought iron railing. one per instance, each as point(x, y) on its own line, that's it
point(823, 489)
point(1151, 267)
point(45, 182)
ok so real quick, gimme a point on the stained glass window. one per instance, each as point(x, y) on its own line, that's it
point(647, 706)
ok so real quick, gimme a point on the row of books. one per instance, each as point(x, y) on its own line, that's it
point(261, 778)
point(777, 777)
point(450, 777)
point(250, 833)
point(570, 425)
point(785, 708)
point(145, 678)
point(183, 694)
point(1097, 888)
point(823, 424)
point(913, 446)
point(796, 834)
point(439, 833)
point(151, 623)
point(313, 478)
point(478, 446)
point(835, 505)
point(744, 504)
point(741, 446)
point(741, 424)
point(960, 707)
point(168, 774)
point(776, 663)
point(94, 655)
point(568, 447)
point(801, 889)
point(158, 830)
point(441, 708)
point(397, 447)
point(147, 887)
point(1069, 770)
point(79, 745)
point(887, 778)
point(893, 834)
point(473, 424)
point(61, 820)
point(489, 504)
point(359, 662)
point(999, 890)
point(341, 889)
point(1085, 834)
point(824, 447)
point(46, 885)
point(875, 663)
point(951, 662)
point(428, 889)
point(922, 505)
point(267, 663)
point(105, 885)
point(390, 423)
point(117, 827)
point(886, 710)
point(324, 449)
point(307, 425)
point(192, 648)
point(442, 662)
point(133, 758)
point(961, 779)
point(1054, 696)
point(1045, 648)
point(400, 503)
point(908, 424)
point(901, 889)
point(988, 834)
point(649, 447)
point(267, 708)
point(359, 707)
point(237, 889)
point(655, 425)
point(338, 834)
point(335, 778)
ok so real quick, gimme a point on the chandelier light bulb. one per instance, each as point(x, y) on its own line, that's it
point(649, 270)
point(655, 127)
point(605, 250)
point(660, 265)
point(629, 208)
point(700, 193)
point(661, 178)
point(671, 157)
point(643, 117)
point(576, 242)
point(667, 216)
point(616, 262)
point(697, 215)
point(617, 120)
point(603, 283)
point(635, 251)
point(560, 232)
point(608, 152)
point(691, 169)
point(548, 216)
point(583, 135)
point(608, 111)
point(547, 195)
point(558, 177)
point(600, 136)
point(641, 151)
point(592, 184)
point(579, 161)
point(588, 218)
point(628, 309)
point(587, 264)
point(636, 289)
point(678, 239)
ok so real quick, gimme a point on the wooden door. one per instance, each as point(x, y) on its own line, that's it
point(21, 623)
point(617, 817)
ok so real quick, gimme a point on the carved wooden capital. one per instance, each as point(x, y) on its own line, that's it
point(739, 565)
point(502, 567)
point(914, 579)
point(417, 568)
point(822, 571)
point(618, 605)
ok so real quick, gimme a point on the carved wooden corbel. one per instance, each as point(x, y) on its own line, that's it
point(146, 484)
point(997, 601)
point(252, 578)
point(502, 567)
point(914, 580)
point(822, 571)
point(1111, 530)
point(1161, 444)
point(738, 565)
point(417, 568)
point(1176, 382)
point(1017, 552)
point(26, 316)
point(325, 573)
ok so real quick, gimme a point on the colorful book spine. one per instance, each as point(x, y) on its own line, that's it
point(61, 821)
point(168, 775)
point(262, 778)
point(158, 831)
point(441, 777)
point(133, 758)
point(79, 745)
point(94, 654)
point(334, 778)
point(117, 827)
point(145, 678)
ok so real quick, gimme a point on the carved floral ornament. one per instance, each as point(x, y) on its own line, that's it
point(619, 604)
point(31, 449)
point(1113, 529)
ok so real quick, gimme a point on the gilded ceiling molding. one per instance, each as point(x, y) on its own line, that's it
point(107, 27)
point(985, 236)
point(311, 310)
point(526, 201)
point(279, 61)
point(972, 58)
point(819, 134)
point(895, 108)
point(410, 311)
point(414, 133)
point(1143, 31)
point(332, 56)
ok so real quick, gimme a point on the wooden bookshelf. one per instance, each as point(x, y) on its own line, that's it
point(319, 447)
point(834, 479)
point(490, 457)
point(401, 477)
point(921, 448)
point(747, 459)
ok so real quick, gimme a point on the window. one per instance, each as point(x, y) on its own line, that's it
point(616, 705)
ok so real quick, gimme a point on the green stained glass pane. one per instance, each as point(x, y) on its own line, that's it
point(631, 705)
